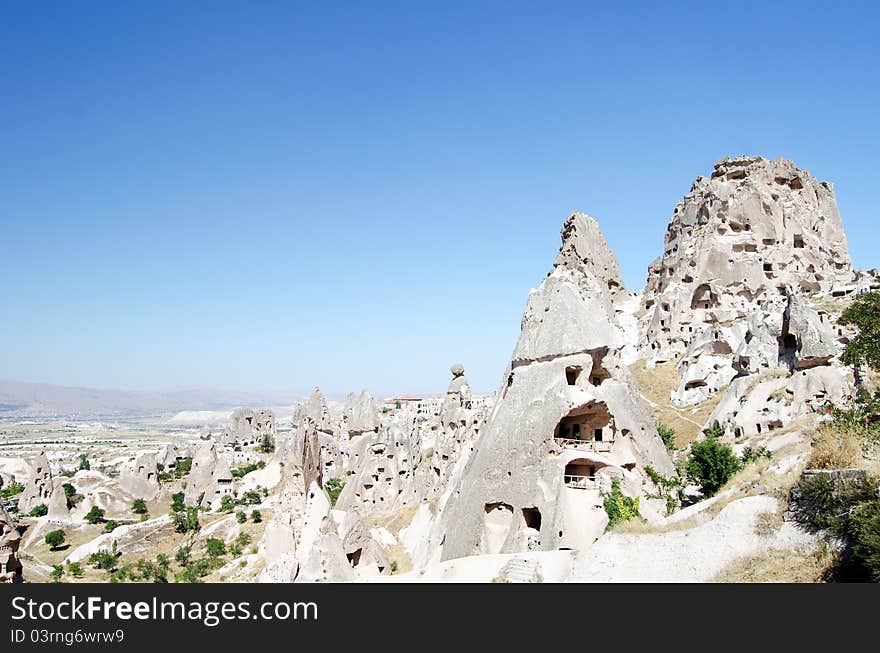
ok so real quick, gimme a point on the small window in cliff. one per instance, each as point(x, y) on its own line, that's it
point(532, 518)
point(354, 557)
point(798, 242)
point(572, 374)
point(768, 267)
point(599, 374)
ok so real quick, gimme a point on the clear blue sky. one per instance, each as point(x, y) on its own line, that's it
point(268, 196)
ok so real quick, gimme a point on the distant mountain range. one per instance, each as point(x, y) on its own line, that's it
point(20, 399)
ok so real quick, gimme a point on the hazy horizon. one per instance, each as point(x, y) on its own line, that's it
point(272, 199)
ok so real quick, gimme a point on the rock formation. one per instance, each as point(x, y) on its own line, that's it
point(10, 539)
point(567, 421)
point(39, 487)
point(750, 233)
point(247, 427)
point(139, 477)
point(210, 477)
point(359, 414)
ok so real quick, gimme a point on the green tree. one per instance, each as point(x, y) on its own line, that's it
point(95, 515)
point(227, 503)
point(215, 548)
point(334, 486)
point(39, 511)
point(103, 559)
point(75, 569)
point(110, 526)
point(186, 521)
point(267, 445)
point(183, 555)
point(240, 517)
point(864, 315)
point(667, 435)
point(139, 506)
point(55, 539)
point(57, 573)
point(711, 464)
point(14, 488)
point(177, 504)
point(256, 517)
point(84, 462)
point(72, 497)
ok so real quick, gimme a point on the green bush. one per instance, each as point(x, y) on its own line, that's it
point(110, 526)
point(177, 504)
point(84, 462)
point(13, 489)
point(55, 539)
point(139, 506)
point(864, 528)
point(256, 517)
point(267, 445)
point(95, 515)
point(186, 521)
point(864, 315)
point(39, 511)
point(238, 472)
point(227, 503)
point(667, 435)
point(240, 517)
point(711, 464)
point(183, 555)
point(57, 573)
point(751, 455)
point(669, 489)
point(75, 569)
point(618, 506)
point(72, 497)
point(334, 488)
point(215, 548)
point(251, 497)
point(103, 560)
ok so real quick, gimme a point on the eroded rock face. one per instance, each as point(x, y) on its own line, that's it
point(38, 489)
point(210, 477)
point(567, 419)
point(10, 539)
point(247, 427)
point(360, 415)
point(749, 234)
point(139, 477)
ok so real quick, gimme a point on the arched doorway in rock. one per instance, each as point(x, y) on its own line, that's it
point(589, 427)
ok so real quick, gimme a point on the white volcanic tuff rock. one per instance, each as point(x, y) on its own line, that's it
point(247, 427)
point(10, 540)
point(785, 370)
point(58, 510)
point(738, 239)
point(171, 454)
point(360, 414)
point(568, 418)
point(139, 477)
point(278, 545)
point(38, 488)
point(319, 412)
point(210, 475)
point(456, 407)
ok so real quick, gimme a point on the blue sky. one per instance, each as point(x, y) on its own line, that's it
point(268, 196)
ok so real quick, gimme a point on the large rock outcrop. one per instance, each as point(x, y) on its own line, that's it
point(567, 420)
point(752, 232)
point(139, 477)
point(10, 539)
point(39, 487)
